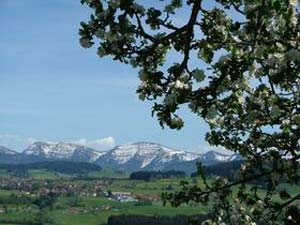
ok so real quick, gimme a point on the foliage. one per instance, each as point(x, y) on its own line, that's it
point(152, 175)
point(90, 209)
point(41, 219)
point(143, 203)
point(236, 65)
point(229, 170)
point(147, 220)
point(74, 202)
point(17, 173)
point(45, 201)
point(66, 167)
point(15, 199)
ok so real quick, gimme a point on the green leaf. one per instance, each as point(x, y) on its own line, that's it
point(198, 74)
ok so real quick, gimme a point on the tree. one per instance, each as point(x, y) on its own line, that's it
point(236, 65)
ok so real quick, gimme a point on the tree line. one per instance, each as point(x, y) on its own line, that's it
point(154, 175)
point(66, 167)
point(153, 220)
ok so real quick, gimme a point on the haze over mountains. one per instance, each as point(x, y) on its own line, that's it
point(127, 157)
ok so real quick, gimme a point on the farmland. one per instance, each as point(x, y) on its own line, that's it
point(47, 197)
point(85, 207)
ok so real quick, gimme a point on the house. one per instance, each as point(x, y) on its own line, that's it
point(123, 197)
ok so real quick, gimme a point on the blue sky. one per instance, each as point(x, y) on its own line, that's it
point(51, 89)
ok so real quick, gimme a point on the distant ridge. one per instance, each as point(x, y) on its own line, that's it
point(127, 157)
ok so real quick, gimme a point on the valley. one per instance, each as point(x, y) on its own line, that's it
point(69, 201)
point(51, 198)
point(70, 184)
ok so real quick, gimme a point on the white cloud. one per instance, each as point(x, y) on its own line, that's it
point(206, 148)
point(216, 149)
point(16, 142)
point(31, 140)
point(98, 144)
point(8, 136)
point(19, 143)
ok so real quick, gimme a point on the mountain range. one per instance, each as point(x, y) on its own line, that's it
point(127, 157)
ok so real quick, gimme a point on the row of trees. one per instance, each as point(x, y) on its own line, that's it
point(153, 175)
point(65, 167)
point(38, 208)
point(229, 170)
point(155, 220)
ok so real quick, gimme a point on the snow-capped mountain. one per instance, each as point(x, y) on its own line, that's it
point(212, 157)
point(62, 151)
point(127, 157)
point(142, 155)
point(152, 156)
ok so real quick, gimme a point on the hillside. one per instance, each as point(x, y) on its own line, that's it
point(64, 167)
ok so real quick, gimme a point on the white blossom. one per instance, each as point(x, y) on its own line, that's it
point(181, 85)
point(286, 122)
point(293, 2)
point(241, 99)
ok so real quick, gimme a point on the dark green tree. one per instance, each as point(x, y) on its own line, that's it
point(236, 65)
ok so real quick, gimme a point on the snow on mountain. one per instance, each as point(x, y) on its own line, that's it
point(212, 156)
point(62, 150)
point(236, 157)
point(127, 157)
point(152, 156)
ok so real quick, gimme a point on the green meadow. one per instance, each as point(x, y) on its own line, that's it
point(95, 210)
point(80, 210)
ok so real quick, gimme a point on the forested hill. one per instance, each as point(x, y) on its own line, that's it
point(67, 167)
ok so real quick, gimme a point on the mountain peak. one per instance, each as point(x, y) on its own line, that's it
point(212, 152)
point(215, 156)
point(39, 143)
point(145, 143)
point(143, 155)
point(62, 150)
point(128, 157)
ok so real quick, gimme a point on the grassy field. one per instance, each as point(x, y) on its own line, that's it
point(91, 215)
point(50, 175)
point(89, 210)
point(42, 174)
point(108, 173)
point(3, 173)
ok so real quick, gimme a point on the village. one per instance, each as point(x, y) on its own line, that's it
point(66, 188)
point(71, 197)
